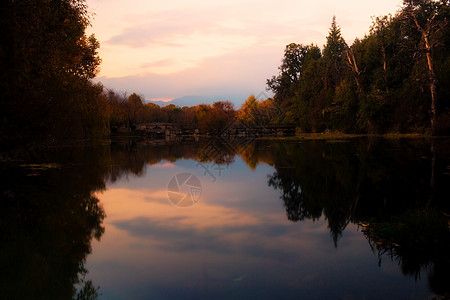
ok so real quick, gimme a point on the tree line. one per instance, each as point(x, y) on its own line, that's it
point(395, 79)
point(126, 111)
point(47, 63)
point(51, 213)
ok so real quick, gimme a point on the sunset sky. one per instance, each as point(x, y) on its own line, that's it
point(221, 50)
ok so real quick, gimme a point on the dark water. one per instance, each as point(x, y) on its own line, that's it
point(209, 219)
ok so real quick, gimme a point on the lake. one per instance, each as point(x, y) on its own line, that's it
point(362, 218)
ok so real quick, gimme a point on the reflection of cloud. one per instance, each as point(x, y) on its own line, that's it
point(174, 236)
point(179, 238)
point(166, 164)
point(147, 215)
point(124, 204)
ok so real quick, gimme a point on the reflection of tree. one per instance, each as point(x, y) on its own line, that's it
point(418, 240)
point(218, 151)
point(134, 156)
point(48, 218)
point(315, 180)
point(293, 198)
point(352, 181)
point(389, 183)
point(50, 213)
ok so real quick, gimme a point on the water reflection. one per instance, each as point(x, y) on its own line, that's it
point(47, 221)
point(419, 241)
point(234, 242)
point(356, 181)
point(398, 191)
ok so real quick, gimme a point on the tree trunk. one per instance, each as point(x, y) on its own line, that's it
point(432, 78)
point(431, 75)
point(383, 51)
point(352, 62)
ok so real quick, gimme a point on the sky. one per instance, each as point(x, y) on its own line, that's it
point(222, 50)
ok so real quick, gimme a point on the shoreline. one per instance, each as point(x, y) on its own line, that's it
point(342, 136)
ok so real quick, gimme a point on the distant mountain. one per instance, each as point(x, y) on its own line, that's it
point(186, 101)
point(192, 100)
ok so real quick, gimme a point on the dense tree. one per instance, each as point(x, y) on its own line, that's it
point(127, 112)
point(247, 114)
point(309, 98)
point(428, 20)
point(117, 108)
point(222, 115)
point(135, 109)
point(46, 63)
point(284, 85)
point(254, 113)
point(380, 82)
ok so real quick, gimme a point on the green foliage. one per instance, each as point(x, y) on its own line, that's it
point(345, 107)
point(375, 112)
point(295, 60)
point(380, 83)
point(333, 55)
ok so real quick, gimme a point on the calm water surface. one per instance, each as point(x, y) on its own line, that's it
point(215, 219)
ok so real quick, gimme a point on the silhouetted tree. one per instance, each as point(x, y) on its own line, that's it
point(46, 63)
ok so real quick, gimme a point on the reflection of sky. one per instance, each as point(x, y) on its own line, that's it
point(236, 242)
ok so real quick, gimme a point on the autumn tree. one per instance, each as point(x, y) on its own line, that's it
point(46, 63)
point(248, 112)
point(201, 116)
point(154, 113)
point(267, 111)
point(135, 109)
point(221, 115)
